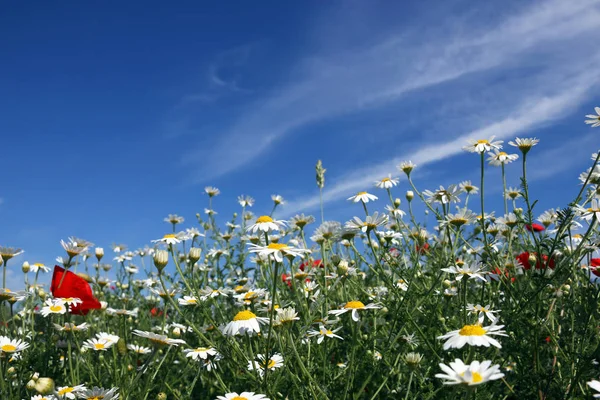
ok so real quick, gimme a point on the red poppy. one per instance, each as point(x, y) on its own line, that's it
point(422, 249)
point(156, 312)
point(548, 340)
point(595, 262)
point(535, 227)
point(524, 260)
point(284, 279)
point(315, 264)
point(73, 286)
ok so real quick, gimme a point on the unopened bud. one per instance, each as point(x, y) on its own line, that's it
point(99, 253)
point(409, 195)
point(161, 396)
point(161, 259)
point(397, 202)
point(30, 385)
point(44, 386)
point(532, 259)
point(25, 267)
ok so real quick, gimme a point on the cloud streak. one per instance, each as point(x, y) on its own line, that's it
point(362, 79)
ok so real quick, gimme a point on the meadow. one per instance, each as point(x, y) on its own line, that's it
point(482, 304)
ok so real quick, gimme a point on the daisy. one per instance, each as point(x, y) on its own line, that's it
point(53, 306)
point(443, 196)
point(245, 201)
point(200, 353)
point(590, 212)
point(483, 312)
point(363, 196)
point(7, 294)
point(513, 193)
point(12, 346)
point(139, 349)
point(98, 344)
point(210, 293)
point(275, 361)
point(468, 187)
point(301, 220)
point(39, 267)
point(108, 337)
point(328, 230)
point(188, 301)
point(500, 158)
point(158, 339)
point(70, 392)
point(354, 306)
point(265, 224)
point(98, 393)
point(6, 253)
point(278, 251)
point(472, 374)
point(471, 271)
point(72, 248)
point(594, 120)
point(277, 199)
point(174, 219)
point(594, 384)
point(387, 183)
point(244, 322)
point(371, 222)
point(169, 238)
point(69, 327)
point(41, 397)
point(473, 335)
point(324, 332)
point(286, 315)
point(464, 216)
point(483, 145)
point(406, 167)
point(243, 396)
point(524, 144)
point(212, 191)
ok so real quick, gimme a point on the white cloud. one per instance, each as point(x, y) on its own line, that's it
point(350, 81)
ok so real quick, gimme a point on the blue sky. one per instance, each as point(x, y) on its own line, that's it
point(115, 114)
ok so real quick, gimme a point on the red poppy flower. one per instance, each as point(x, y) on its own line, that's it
point(315, 264)
point(284, 279)
point(595, 262)
point(73, 286)
point(524, 260)
point(422, 249)
point(156, 312)
point(535, 227)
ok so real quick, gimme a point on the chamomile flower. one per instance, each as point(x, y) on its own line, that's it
point(6, 253)
point(500, 158)
point(443, 196)
point(98, 344)
point(174, 219)
point(406, 167)
point(483, 145)
point(277, 199)
point(244, 322)
point(286, 316)
point(483, 312)
point(513, 193)
point(324, 332)
point(470, 271)
point(108, 337)
point(468, 187)
point(595, 385)
point(158, 339)
point(188, 301)
point(588, 213)
point(139, 349)
point(212, 191)
point(524, 144)
point(354, 306)
point(69, 392)
point(265, 223)
point(594, 119)
point(473, 374)
point(69, 327)
point(37, 267)
point(169, 238)
point(473, 335)
point(99, 393)
point(371, 222)
point(300, 220)
point(43, 397)
point(387, 182)
point(260, 363)
point(53, 306)
point(242, 396)
point(362, 196)
point(277, 251)
point(200, 353)
point(11, 346)
point(72, 248)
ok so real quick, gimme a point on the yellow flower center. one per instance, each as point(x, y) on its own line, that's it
point(277, 246)
point(8, 348)
point(361, 193)
point(244, 316)
point(192, 301)
point(271, 364)
point(502, 154)
point(385, 180)
point(593, 210)
point(263, 218)
point(201, 349)
point(170, 236)
point(477, 377)
point(99, 346)
point(472, 330)
point(56, 308)
point(250, 295)
point(328, 332)
point(65, 390)
point(354, 305)
point(239, 398)
point(483, 141)
point(96, 398)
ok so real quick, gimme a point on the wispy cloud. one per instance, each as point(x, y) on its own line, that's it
point(360, 79)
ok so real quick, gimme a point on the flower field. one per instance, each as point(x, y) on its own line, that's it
point(482, 304)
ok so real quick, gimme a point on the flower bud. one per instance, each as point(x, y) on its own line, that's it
point(44, 386)
point(161, 396)
point(532, 260)
point(42, 294)
point(409, 195)
point(397, 202)
point(30, 385)
point(161, 259)
point(25, 267)
point(99, 253)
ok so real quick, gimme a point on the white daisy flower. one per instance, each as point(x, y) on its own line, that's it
point(473, 335)
point(483, 312)
point(354, 306)
point(500, 158)
point(371, 222)
point(594, 384)
point(11, 346)
point(108, 337)
point(188, 301)
point(53, 306)
point(212, 191)
point(98, 344)
point(277, 251)
point(260, 364)
point(99, 394)
point(594, 120)
point(277, 199)
point(158, 339)
point(244, 322)
point(406, 167)
point(69, 392)
point(387, 183)
point(200, 353)
point(169, 238)
point(363, 196)
point(324, 332)
point(245, 201)
point(524, 144)
point(483, 145)
point(471, 271)
point(243, 396)
point(588, 213)
point(473, 374)
point(38, 267)
point(265, 223)
point(69, 327)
